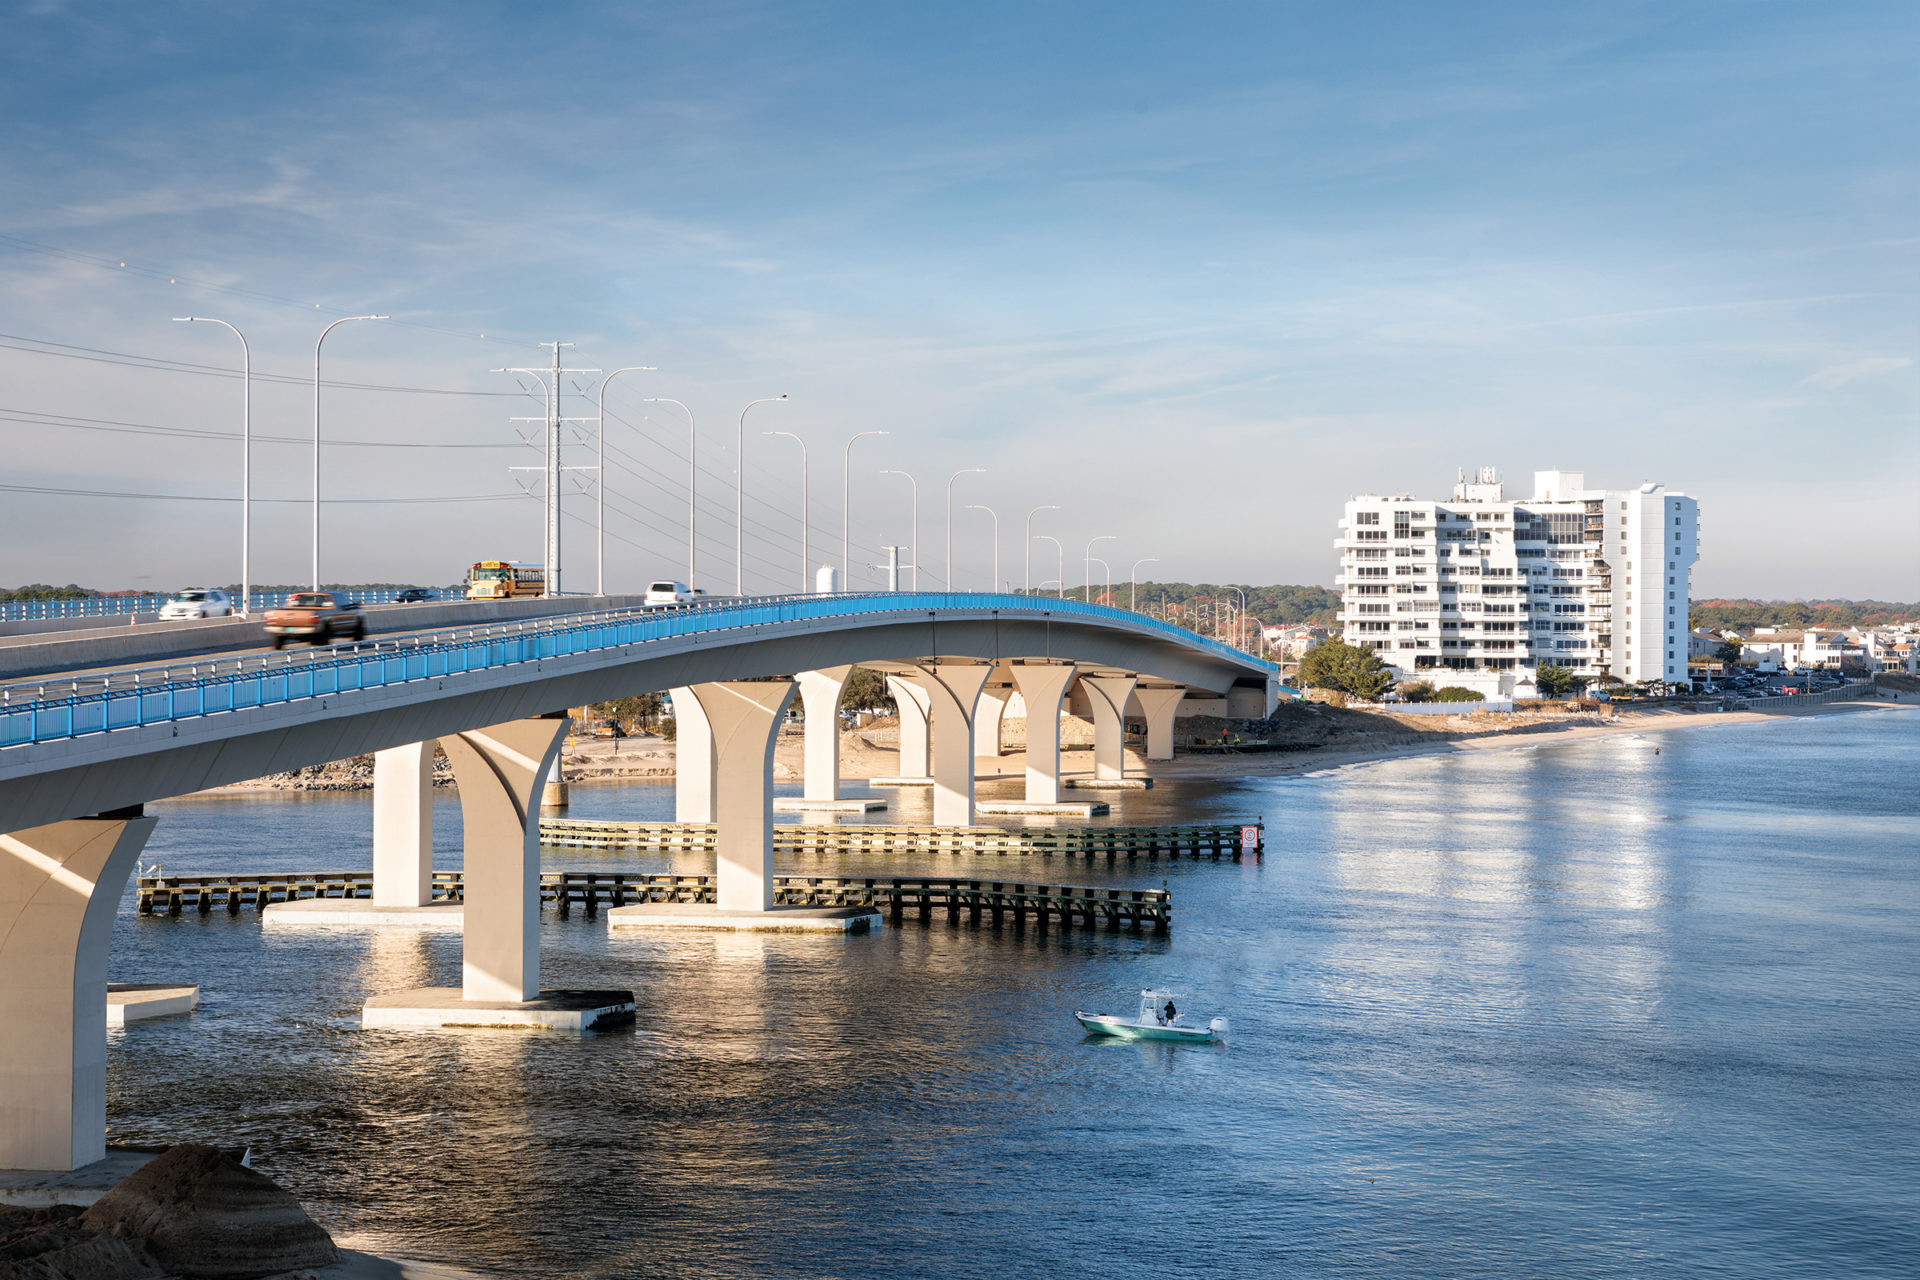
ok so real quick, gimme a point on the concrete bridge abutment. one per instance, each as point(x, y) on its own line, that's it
point(60, 888)
point(953, 696)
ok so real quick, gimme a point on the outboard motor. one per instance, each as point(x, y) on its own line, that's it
point(1219, 1027)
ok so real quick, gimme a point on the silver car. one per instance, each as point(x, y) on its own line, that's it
point(198, 602)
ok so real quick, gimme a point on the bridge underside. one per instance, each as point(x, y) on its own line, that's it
point(71, 826)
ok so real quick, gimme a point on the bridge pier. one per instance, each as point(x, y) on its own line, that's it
point(820, 779)
point(992, 710)
point(744, 718)
point(1108, 696)
point(953, 697)
point(1044, 690)
point(500, 771)
point(60, 888)
point(693, 782)
point(1158, 706)
point(402, 854)
point(912, 708)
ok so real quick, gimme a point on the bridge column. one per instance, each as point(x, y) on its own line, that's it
point(60, 888)
point(953, 694)
point(1158, 706)
point(992, 710)
point(1043, 689)
point(744, 717)
point(820, 693)
point(910, 701)
point(693, 789)
point(1108, 696)
point(403, 825)
point(500, 771)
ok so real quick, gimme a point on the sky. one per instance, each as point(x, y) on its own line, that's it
point(1193, 274)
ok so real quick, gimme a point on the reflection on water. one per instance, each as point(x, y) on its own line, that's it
point(1577, 1010)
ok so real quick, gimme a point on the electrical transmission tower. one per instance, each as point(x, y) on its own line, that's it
point(552, 420)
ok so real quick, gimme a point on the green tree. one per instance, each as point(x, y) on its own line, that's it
point(1418, 691)
point(1346, 668)
point(1557, 681)
point(866, 691)
point(1728, 654)
point(1454, 693)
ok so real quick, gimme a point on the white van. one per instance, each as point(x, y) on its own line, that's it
point(665, 593)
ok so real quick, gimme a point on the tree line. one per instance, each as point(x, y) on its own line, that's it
point(1278, 605)
point(1745, 615)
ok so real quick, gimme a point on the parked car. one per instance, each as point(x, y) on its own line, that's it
point(413, 595)
point(608, 728)
point(197, 602)
point(316, 617)
point(665, 593)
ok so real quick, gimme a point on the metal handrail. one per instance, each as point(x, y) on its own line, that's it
point(120, 606)
point(128, 699)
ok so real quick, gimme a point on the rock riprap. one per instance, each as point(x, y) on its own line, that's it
point(200, 1213)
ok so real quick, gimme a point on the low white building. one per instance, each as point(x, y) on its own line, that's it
point(1480, 590)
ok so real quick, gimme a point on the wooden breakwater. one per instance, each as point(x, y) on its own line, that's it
point(922, 896)
point(1214, 842)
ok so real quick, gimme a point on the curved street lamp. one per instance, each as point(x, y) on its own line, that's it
point(600, 566)
point(1133, 579)
point(693, 476)
point(950, 479)
point(805, 558)
point(316, 436)
point(740, 496)
point(1105, 537)
point(994, 585)
point(1029, 547)
point(1060, 553)
point(846, 504)
point(246, 458)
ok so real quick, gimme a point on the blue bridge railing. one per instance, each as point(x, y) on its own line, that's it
point(121, 606)
point(45, 712)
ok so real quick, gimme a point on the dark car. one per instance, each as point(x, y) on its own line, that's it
point(413, 595)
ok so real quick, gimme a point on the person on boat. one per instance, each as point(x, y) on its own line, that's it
point(1168, 1014)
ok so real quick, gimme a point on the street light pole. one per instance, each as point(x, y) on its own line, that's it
point(740, 497)
point(806, 560)
point(995, 584)
point(600, 567)
point(246, 458)
point(1236, 617)
point(1133, 579)
point(1060, 557)
point(1105, 537)
point(693, 477)
point(950, 479)
point(846, 507)
point(1106, 575)
point(316, 437)
point(916, 523)
point(1029, 546)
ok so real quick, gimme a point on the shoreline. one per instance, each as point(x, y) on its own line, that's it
point(652, 761)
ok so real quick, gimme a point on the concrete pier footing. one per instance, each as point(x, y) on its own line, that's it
point(42, 1189)
point(899, 782)
point(701, 915)
point(1061, 809)
point(365, 912)
point(1135, 783)
point(800, 804)
point(139, 1001)
point(556, 1010)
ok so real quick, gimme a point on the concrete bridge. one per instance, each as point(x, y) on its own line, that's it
point(80, 759)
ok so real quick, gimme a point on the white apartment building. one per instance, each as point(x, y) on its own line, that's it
point(1480, 590)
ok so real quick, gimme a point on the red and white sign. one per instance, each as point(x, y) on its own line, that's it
point(1250, 837)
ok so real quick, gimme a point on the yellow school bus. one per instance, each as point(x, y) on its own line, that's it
point(505, 579)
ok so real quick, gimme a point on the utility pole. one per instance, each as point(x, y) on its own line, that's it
point(553, 421)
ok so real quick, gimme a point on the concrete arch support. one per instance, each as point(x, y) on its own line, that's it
point(911, 704)
point(1108, 696)
point(692, 758)
point(987, 719)
point(500, 771)
point(1158, 706)
point(1043, 689)
point(745, 717)
point(403, 825)
point(820, 694)
point(953, 694)
point(60, 888)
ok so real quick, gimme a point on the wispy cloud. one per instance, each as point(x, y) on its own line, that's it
point(1835, 376)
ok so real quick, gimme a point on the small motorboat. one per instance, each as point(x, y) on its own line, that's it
point(1153, 1022)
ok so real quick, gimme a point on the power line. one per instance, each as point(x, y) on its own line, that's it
point(161, 364)
point(198, 497)
point(41, 418)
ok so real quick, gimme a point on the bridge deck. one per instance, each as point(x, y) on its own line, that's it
point(1201, 841)
point(1045, 904)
